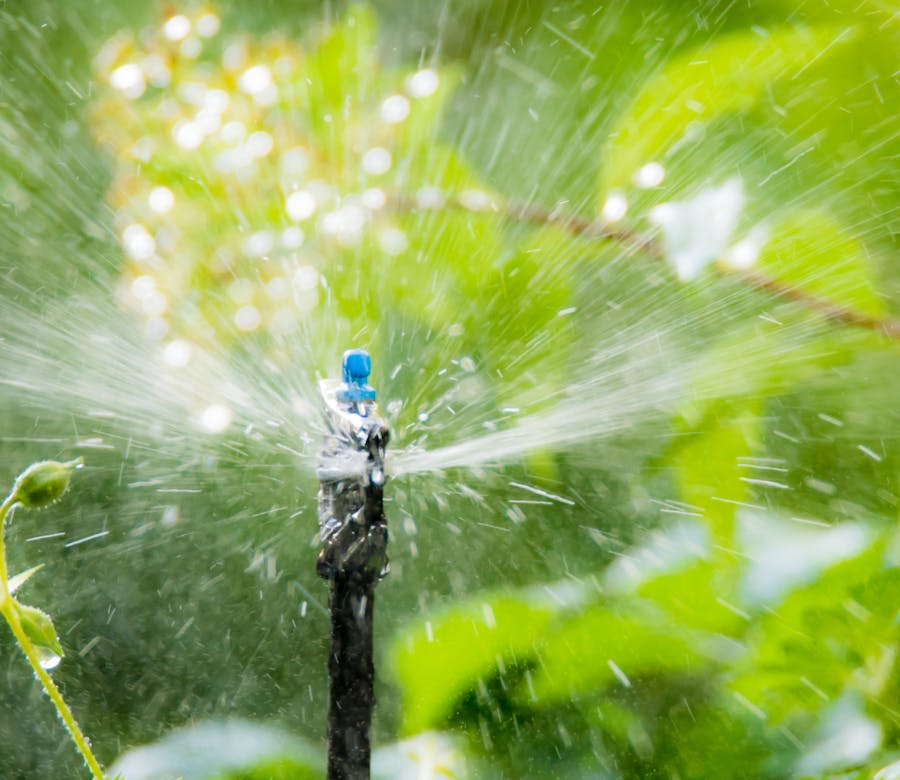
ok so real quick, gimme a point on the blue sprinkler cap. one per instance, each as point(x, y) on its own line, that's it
point(355, 368)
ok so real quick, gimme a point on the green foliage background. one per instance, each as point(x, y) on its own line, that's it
point(673, 618)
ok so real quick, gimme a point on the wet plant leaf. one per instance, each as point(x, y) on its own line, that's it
point(38, 626)
point(811, 253)
point(728, 75)
point(612, 645)
point(19, 580)
point(440, 660)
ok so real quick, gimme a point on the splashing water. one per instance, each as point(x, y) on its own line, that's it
point(588, 283)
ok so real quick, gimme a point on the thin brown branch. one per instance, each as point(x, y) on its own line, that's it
point(639, 242)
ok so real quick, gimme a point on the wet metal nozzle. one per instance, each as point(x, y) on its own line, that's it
point(352, 526)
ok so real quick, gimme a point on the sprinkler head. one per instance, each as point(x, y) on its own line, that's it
point(355, 369)
point(351, 473)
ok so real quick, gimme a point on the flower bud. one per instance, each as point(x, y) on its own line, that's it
point(43, 483)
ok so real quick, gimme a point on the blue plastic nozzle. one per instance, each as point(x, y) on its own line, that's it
point(355, 368)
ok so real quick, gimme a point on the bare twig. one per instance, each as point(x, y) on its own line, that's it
point(640, 242)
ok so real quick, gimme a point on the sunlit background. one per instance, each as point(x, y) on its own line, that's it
point(628, 274)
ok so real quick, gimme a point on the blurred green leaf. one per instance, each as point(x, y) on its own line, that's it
point(613, 644)
point(707, 463)
point(440, 660)
point(729, 74)
point(811, 253)
point(839, 632)
point(228, 750)
point(696, 597)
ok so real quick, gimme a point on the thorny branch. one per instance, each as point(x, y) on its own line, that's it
point(639, 242)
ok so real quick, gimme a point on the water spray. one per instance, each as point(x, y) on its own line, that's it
point(353, 556)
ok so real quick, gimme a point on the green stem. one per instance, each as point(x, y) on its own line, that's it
point(53, 692)
point(8, 609)
point(4, 573)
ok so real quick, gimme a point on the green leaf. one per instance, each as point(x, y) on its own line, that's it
point(708, 464)
point(693, 597)
point(810, 252)
point(729, 74)
point(221, 751)
point(439, 661)
point(19, 580)
point(39, 628)
point(835, 634)
point(608, 645)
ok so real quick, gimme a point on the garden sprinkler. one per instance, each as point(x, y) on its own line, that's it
point(353, 556)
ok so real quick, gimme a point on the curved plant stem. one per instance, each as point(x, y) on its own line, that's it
point(5, 507)
point(638, 242)
point(7, 608)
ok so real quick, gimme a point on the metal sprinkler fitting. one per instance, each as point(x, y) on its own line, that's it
point(353, 556)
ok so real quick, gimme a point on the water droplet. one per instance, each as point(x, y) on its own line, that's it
point(294, 161)
point(129, 80)
point(649, 175)
point(216, 100)
point(614, 207)
point(429, 198)
point(423, 83)
point(188, 135)
point(259, 144)
point(138, 243)
point(255, 79)
point(233, 132)
point(177, 28)
point(247, 318)
point(292, 238)
point(393, 241)
point(258, 244)
point(474, 200)
point(169, 516)
point(177, 353)
point(300, 205)
point(215, 418)
point(207, 25)
point(395, 109)
point(306, 278)
point(161, 199)
point(191, 48)
point(376, 161)
point(373, 198)
point(47, 659)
